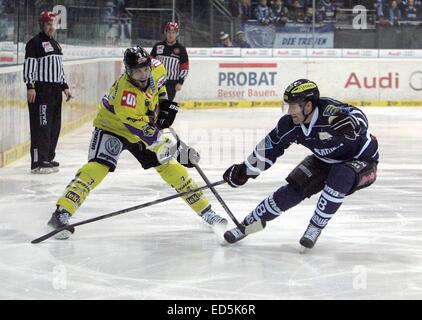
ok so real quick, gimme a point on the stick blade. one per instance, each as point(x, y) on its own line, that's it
point(52, 233)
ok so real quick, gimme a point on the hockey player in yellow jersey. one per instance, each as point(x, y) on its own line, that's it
point(134, 116)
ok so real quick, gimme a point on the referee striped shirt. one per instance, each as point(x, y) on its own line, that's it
point(175, 59)
point(43, 62)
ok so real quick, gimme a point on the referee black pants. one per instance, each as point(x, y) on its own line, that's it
point(171, 89)
point(45, 122)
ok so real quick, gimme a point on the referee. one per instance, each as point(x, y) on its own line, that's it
point(43, 74)
point(174, 57)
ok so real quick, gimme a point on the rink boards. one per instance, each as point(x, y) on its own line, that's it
point(219, 82)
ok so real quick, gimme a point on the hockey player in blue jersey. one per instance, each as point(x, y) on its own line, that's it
point(344, 159)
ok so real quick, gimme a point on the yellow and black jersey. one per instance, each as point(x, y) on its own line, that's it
point(131, 112)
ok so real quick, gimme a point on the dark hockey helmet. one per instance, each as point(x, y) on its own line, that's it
point(301, 91)
point(136, 57)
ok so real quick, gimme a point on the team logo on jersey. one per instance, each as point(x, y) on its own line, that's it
point(47, 46)
point(333, 110)
point(128, 99)
point(324, 136)
point(148, 130)
point(112, 146)
point(160, 49)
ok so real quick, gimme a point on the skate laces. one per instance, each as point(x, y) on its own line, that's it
point(312, 232)
point(211, 217)
point(63, 217)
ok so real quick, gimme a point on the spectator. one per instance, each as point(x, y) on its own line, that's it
point(394, 13)
point(245, 9)
point(339, 4)
point(327, 10)
point(411, 11)
point(234, 7)
point(290, 3)
point(418, 6)
point(240, 8)
point(280, 12)
point(296, 12)
point(225, 40)
point(118, 21)
point(381, 10)
point(241, 40)
point(401, 4)
point(309, 14)
point(263, 13)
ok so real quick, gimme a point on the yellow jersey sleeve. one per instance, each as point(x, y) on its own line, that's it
point(160, 77)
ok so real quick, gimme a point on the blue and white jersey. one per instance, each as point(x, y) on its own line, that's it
point(326, 144)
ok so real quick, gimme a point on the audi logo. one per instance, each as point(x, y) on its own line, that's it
point(415, 81)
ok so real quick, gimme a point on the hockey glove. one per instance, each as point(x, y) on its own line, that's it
point(236, 175)
point(167, 114)
point(165, 147)
point(187, 156)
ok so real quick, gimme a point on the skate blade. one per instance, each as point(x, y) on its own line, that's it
point(42, 171)
point(62, 235)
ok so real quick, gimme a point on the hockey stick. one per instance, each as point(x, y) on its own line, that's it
point(207, 181)
point(246, 230)
point(217, 195)
point(71, 227)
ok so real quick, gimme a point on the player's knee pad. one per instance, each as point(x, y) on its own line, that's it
point(309, 176)
point(86, 179)
point(178, 177)
point(287, 197)
point(341, 178)
point(105, 148)
point(365, 174)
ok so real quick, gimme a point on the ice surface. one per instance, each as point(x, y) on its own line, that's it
point(372, 248)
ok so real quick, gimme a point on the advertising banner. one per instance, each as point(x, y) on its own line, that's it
point(368, 81)
point(296, 35)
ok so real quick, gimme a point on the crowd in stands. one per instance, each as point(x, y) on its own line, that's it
point(282, 11)
point(389, 12)
point(239, 42)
